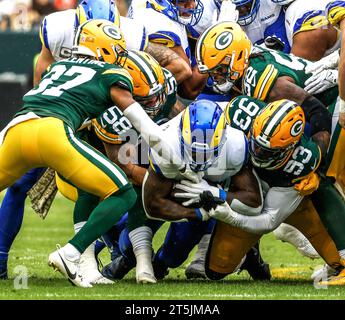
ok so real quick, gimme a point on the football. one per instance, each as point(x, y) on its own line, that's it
point(181, 200)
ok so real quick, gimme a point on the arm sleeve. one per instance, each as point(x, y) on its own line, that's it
point(151, 133)
point(279, 204)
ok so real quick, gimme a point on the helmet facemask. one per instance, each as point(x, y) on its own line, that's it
point(275, 132)
point(190, 15)
point(200, 156)
point(248, 10)
point(154, 102)
point(267, 158)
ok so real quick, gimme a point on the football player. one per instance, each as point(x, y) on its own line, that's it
point(155, 89)
point(218, 161)
point(262, 19)
point(72, 91)
point(276, 145)
point(335, 15)
point(56, 34)
point(309, 34)
point(269, 75)
point(166, 22)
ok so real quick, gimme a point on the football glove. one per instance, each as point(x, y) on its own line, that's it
point(329, 62)
point(308, 185)
point(194, 190)
point(227, 12)
point(321, 81)
point(208, 201)
point(190, 175)
point(224, 213)
point(43, 193)
point(274, 43)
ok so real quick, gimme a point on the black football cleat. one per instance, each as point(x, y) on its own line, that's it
point(118, 268)
point(160, 269)
point(255, 265)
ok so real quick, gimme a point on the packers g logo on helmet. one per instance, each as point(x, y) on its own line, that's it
point(111, 32)
point(223, 52)
point(223, 40)
point(297, 128)
point(100, 39)
point(275, 132)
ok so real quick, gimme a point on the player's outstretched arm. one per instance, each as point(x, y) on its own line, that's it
point(156, 194)
point(170, 60)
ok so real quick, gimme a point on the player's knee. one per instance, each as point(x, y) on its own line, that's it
point(128, 195)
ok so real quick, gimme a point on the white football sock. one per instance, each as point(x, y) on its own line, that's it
point(78, 226)
point(141, 239)
point(71, 253)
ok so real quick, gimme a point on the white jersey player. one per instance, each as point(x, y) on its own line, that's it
point(57, 33)
point(261, 19)
point(167, 22)
point(303, 16)
point(218, 153)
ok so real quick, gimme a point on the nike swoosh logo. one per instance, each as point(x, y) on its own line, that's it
point(72, 276)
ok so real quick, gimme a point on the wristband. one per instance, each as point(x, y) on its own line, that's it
point(341, 106)
point(222, 194)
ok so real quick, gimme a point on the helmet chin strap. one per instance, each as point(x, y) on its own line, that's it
point(224, 87)
point(185, 20)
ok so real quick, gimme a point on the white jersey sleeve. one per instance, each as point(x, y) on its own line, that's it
point(159, 163)
point(57, 33)
point(206, 20)
point(278, 205)
point(268, 14)
point(304, 15)
point(135, 34)
point(161, 29)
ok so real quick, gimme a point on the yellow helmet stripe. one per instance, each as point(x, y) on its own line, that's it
point(148, 71)
point(265, 82)
point(217, 135)
point(186, 131)
point(277, 116)
point(200, 43)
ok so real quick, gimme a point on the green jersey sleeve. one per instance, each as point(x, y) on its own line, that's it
point(117, 76)
point(241, 112)
point(266, 66)
point(112, 126)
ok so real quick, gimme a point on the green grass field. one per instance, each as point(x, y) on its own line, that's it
point(291, 272)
